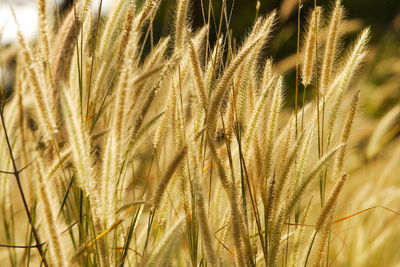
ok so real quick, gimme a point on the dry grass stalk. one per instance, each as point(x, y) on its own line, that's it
point(331, 46)
point(331, 202)
point(173, 165)
point(310, 47)
point(52, 226)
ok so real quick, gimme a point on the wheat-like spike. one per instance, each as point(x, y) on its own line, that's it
point(306, 181)
point(107, 187)
point(239, 230)
point(270, 135)
point(323, 239)
point(43, 102)
point(310, 47)
point(156, 58)
point(106, 43)
point(198, 75)
point(230, 119)
point(143, 135)
point(118, 135)
point(270, 199)
point(56, 167)
point(283, 155)
point(267, 76)
point(199, 39)
point(181, 24)
point(275, 240)
point(331, 47)
point(295, 257)
point(255, 116)
point(305, 151)
point(86, 5)
point(111, 32)
point(343, 80)
point(198, 123)
point(222, 85)
point(230, 192)
point(355, 56)
point(223, 175)
point(55, 247)
point(43, 31)
point(127, 27)
point(83, 162)
point(289, 163)
point(266, 28)
point(65, 43)
point(179, 136)
point(80, 144)
point(178, 123)
point(168, 116)
point(147, 12)
point(263, 25)
point(208, 240)
point(214, 63)
point(109, 176)
point(205, 230)
point(276, 227)
point(330, 204)
point(257, 156)
point(100, 80)
point(338, 165)
point(173, 165)
point(151, 95)
point(144, 76)
point(251, 94)
point(169, 112)
point(119, 114)
point(102, 243)
point(129, 62)
point(241, 88)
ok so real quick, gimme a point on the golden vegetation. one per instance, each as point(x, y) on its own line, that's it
point(183, 156)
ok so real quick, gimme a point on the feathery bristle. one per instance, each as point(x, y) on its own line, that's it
point(330, 203)
point(173, 165)
point(310, 47)
point(331, 47)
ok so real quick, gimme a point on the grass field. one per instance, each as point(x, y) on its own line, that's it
point(119, 149)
